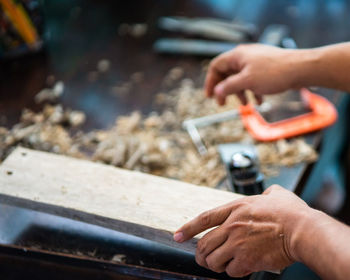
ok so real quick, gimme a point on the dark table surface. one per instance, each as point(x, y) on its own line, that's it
point(78, 34)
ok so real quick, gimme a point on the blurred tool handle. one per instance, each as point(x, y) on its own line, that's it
point(21, 22)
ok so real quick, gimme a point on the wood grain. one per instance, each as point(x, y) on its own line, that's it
point(140, 204)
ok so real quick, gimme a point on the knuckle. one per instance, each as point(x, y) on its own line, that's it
point(253, 212)
point(201, 246)
point(199, 260)
point(245, 203)
point(212, 264)
point(204, 218)
point(212, 64)
point(241, 202)
point(231, 272)
point(274, 188)
point(233, 228)
point(243, 210)
point(239, 232)
point(241, 47)
point(237, 272)
point(216, 61)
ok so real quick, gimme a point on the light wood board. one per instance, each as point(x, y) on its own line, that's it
point(140, 204)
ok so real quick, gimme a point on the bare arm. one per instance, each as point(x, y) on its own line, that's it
point(268, 70)
point(270, 232)
point(324, 246)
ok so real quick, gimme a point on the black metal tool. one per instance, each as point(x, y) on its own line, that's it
point(244, 174)
point(242, 168)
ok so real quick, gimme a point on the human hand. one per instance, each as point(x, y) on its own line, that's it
point(254, 233)
point(259, 68)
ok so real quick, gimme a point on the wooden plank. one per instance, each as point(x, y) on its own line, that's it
point(144, 205)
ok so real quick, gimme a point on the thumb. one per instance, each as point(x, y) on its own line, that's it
point(233, 84)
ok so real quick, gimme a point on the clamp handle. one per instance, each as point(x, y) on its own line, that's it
point(323, 114)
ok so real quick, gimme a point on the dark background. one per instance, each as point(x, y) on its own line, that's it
point(78, 33)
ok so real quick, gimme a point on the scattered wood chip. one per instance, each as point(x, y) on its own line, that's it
point(155, 143)
point(50, 94)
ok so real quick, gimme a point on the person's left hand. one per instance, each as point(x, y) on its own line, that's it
point(254, 233)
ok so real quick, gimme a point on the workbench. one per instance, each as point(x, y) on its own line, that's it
point(82, 33)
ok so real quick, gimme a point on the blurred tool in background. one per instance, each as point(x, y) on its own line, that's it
point(211, 28)
point(21, 25)
point(223, 35)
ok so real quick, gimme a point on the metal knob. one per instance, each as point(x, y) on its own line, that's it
point(244, 174)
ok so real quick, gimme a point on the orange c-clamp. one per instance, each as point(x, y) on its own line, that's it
point(323, 113)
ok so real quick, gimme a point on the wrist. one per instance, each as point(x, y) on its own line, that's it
point(305, 230)
point(305, 66)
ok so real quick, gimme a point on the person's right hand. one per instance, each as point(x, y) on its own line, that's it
point(259, 68)
point(253, 233)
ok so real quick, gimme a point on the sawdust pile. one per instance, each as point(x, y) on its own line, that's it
point(47, 130)
point(155, 144)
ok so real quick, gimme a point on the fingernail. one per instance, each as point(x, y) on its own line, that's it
point(178, 236)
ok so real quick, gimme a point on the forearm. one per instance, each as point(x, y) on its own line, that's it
point(323, 244)
point(326, 67)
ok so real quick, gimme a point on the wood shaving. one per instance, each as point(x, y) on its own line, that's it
point(50, 94)
point(173, 75)
point(47, 130)
point(156, 143)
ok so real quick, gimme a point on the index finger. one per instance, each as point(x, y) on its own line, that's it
point(219, 69)
point(206, 220)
